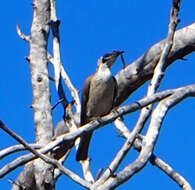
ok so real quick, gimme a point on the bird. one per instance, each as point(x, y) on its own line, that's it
point(98, 96)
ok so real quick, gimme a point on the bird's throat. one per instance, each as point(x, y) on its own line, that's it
point(103, 72)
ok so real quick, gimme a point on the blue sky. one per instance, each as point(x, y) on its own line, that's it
point(88, 30)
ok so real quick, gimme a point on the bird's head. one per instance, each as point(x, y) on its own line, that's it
point(110, 58)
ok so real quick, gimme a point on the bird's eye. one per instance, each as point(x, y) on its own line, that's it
point(106, 57)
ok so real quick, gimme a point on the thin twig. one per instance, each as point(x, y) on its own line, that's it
point(22, 36)
point(56, 42)
point(60, 101)
point(57, 55)
point(73, 90)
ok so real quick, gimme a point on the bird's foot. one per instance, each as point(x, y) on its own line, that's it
point(115, 110)
point(99, 119)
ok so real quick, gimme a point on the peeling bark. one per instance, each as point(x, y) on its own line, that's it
point(26, 179)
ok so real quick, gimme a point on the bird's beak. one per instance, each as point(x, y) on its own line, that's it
point(115, 55)
point(120, 52)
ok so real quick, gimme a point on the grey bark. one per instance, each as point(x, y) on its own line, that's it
point(42, 172)
point(38, 175)
point(129, 79)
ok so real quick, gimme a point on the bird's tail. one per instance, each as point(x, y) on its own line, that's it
point(82, 152)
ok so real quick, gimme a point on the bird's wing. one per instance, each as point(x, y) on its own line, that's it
point(85, 95)
point(82, 151)
point(115, 91)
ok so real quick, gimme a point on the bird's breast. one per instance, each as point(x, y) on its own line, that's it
point(101, 95)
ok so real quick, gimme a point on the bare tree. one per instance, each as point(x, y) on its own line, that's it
point(45, 163)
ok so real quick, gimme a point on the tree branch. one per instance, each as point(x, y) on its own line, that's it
point(158, 70)
point(150, 139)
point(45, 158)
point(180, 180)
point(88, 127)
point(94, 125)
point(156, 79)
point(131, 78)
point(41, 89)
point(160, 67)
point(21, 35)
point(57, 55)
point(16, 148)
point(56, 42)
point(73, 90)
point(156, 161)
